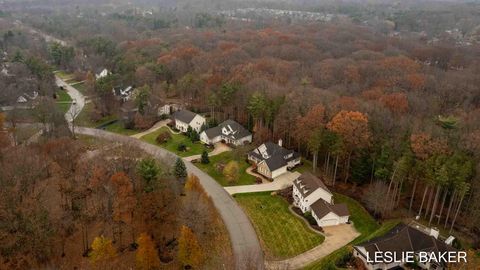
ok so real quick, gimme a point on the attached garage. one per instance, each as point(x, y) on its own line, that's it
point(329, 214)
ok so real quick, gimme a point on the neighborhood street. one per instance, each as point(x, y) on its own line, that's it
point(77, 97)
point(245, 243)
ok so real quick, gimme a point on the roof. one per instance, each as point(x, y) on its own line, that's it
point(185, 116)
point(321, 208)
point(273, 155)
point(404, 238)
point(307, 183)
point(228, 128)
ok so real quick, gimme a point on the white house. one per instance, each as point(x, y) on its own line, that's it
point(311, 194)
point(229, 131)
point(272, 160)
point(400, 240)
point(123, 94)
point(168, 109)
point(184, 119)
point(102, 74)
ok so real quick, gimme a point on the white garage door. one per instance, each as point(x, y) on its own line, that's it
point(329, 222)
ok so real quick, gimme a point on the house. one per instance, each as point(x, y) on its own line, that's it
point(229, 131)
point(123, 94)
point(307, 189)
point(184, 119)
point(104, 73)
point(311, 194)
point(168, 109)
point(272, 159)
point(398, 241)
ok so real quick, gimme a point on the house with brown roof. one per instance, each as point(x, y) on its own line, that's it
point(273, 160)
point(401, 240)
point(310, 194)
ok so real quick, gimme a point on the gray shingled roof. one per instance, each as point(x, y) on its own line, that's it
point(276, 155)
point(185, 116)
point(404, 238)
point(308, 183)
point(321, 208)
point(239, 131)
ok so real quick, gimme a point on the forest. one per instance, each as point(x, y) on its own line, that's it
point(391, 120)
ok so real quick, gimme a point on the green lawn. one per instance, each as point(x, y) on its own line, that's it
point(218, 161)
point(172, 145)
point(80, 87)
point(83, 119)
point(365, 225)
point(282, 234)
point(63, 75)
point(63, 100)
point(117, 127)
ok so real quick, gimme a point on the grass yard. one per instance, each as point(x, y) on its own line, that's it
point(117, 127)
point(63, 75)
point(83, 119)
point(282, 234)
point(172, 144)
point(215, 171)
point(63, 101)
point(365, 225)
point(80, 87)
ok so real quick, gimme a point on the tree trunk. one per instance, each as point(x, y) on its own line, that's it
point(450, 207)
point(389, 188)
point(429, 204)
point(434, 207)
point(315, 161)
point(399, 193)
point(372, 172)
point(413, 195)
point(347, 175)
point(456, 212)
point(445, 192)
point(423, 200)
point(335, 171)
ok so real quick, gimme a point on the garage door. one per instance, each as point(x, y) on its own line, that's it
point(329, 222)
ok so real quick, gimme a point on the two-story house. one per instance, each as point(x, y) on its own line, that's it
point(273, 160)
point(229, 131)
point(184, 119)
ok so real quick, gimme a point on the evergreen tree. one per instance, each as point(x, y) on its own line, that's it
point(205, 158)
point(179, 169)
point(148, 170)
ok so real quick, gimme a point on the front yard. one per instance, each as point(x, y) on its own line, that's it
point(282, 234)
point(118, 127)
point(64, 101)
point(176, 139)
point(218, 162)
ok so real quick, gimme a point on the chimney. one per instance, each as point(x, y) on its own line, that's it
point(280, 142)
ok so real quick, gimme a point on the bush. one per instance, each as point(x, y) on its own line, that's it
point(182, 147)
point(163, 137)
point(232, 171)
point(205, 158)
point(311, 220)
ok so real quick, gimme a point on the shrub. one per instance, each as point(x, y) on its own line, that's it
point(205, 158)
point(311, 220)
point(163, 137)
point(182, 147)
point(232, 171)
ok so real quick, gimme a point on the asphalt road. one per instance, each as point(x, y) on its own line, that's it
point(78, 97)
point(245, 244)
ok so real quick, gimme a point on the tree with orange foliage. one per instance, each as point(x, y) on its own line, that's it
point(309, 129)
point(147, 256)
point(395, 102)
point(124, 201)
point(190, 252)
point(353, 128)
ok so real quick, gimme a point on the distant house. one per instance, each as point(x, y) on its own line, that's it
point(402, 238)
point(229, 131)
point(272, 159)
point(168, 109)
point(21, 99)
point(184, 119)
point(123, 94)
point(102, 74)
point(311, 194)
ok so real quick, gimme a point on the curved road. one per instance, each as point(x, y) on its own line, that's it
point(245, 244)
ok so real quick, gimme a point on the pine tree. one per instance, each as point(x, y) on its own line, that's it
point(179, 169)
point(147, 256)
point(205, 158)
point(189, 251)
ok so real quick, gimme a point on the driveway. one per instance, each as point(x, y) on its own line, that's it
point(335, 238)
point(219, 148)
point(75, 109)
point(154, 128)
point(245, 244)
point(281, 182)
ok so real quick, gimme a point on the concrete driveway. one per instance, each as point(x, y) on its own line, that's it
point(281, 182)
point(335, 238)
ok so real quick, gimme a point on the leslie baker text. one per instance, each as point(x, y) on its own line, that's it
point(421, 256)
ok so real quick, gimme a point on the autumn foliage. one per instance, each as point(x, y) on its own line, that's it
point(147, 256)
point(190, 252)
